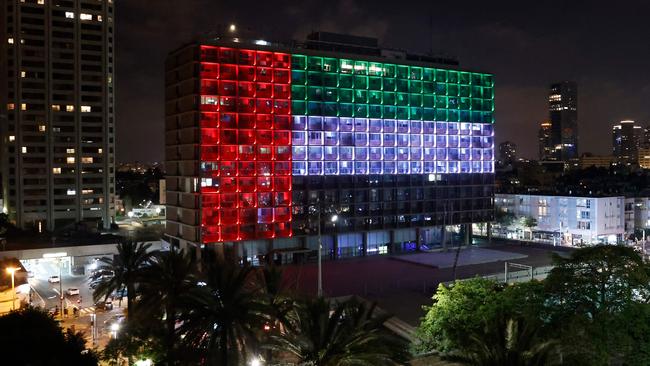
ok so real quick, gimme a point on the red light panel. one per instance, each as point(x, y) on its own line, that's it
point(245, 144)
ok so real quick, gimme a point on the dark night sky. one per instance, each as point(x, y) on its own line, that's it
point(525, 44)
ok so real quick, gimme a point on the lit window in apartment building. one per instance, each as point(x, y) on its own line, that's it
point(12, 138)
point(40, 2)
point(100, 150)
point(69, 160)
point(10, 40)
point(56, 170)
point(69, 108)
point(69, 15)
point(71, 192)
point(69, 151)
point(11, 106)
point(56, 107)
point(24, 149)
point(85, 109)
point(84, 16)
point(23, 74)
point(87, 191)
point(23, 106)
point(41, 128)
point(87, 160)
point(99, 18)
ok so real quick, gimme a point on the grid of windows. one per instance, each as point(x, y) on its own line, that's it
point(342, 145)
point(325, 86)
point(245, 144)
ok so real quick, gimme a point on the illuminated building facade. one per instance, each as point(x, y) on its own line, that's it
point(57, 112)
point(261, 139)
point(563, 113)
point(626, 141)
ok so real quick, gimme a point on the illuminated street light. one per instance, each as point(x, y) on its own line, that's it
point(232, 28)
point(12, 271)
point(335, 218)
point(255, 361)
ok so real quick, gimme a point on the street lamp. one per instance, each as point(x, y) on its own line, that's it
point(232, 28)
point(12, 271)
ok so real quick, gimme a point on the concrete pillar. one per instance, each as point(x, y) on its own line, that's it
point(391, 243)
point(418, 239)
point(364, 245)
point(489, 232)
point(468, 234)
point(443, 236)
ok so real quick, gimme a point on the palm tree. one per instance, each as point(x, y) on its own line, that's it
point(224, 317)
point(506, 341)
point(165, 287)
point(350, 333)
point(127, 266)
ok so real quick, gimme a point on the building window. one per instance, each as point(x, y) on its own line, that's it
point(87, 160)
point(99, 151)
point(69, 108)
point(84, 16)
point(41, 128)
point(11, 106)
point(24, 149)
point(69, 15)
point(12, 138)
point(56, 107)
point(10, 40)
point(69, 160)
point(85, 109)
point(56, 170)
point(23, 106)
point(69, 151)
point(71, 192)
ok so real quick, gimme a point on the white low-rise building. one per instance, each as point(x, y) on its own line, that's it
point(562, 220)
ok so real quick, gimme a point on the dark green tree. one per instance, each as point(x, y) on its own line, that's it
point(348, 333)
point(32, 337)
point(224, 318)
point(589, 295)
point(164, 288)
point(127, 264)
point(506, 341)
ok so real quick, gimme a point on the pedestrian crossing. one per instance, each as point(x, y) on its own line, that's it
point(87, 311)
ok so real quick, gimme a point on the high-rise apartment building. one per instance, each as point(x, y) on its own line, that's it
point(507, 152)
point(56, 96)
point(563, 114)
point(268, 146)
point(546, 147)
point(626, 141)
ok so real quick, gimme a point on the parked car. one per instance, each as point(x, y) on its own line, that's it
point(102, 273)
point(54, 279)
point(72, 291)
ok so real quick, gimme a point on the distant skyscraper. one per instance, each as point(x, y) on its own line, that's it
point(507, 152)
point(563, 113)
point(56, 93)
point(545, 143)
point(626, 140)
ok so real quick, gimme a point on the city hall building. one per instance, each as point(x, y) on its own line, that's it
point(268, 146)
